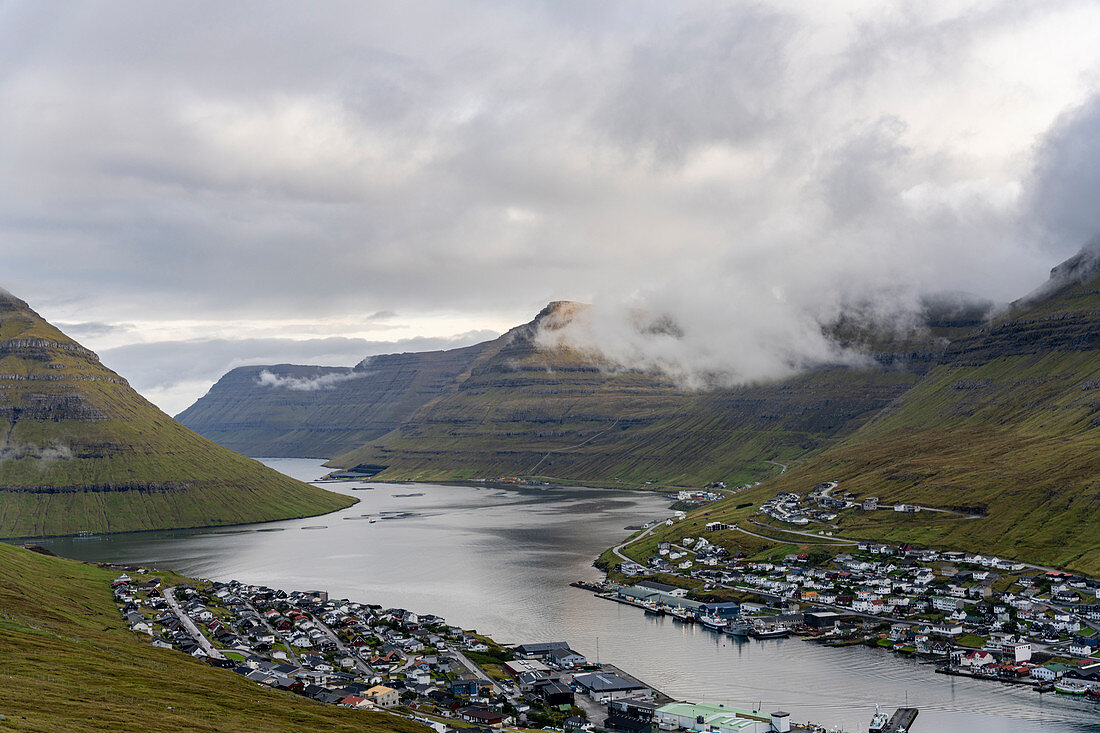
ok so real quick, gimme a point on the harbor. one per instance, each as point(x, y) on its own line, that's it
point(514, 553)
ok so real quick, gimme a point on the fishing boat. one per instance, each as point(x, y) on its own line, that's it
point(682, 614)
point(739, 628)
point(716, 623)
point(653, 609)
point(770, 632)
point(879, 722)
point(1069, 687)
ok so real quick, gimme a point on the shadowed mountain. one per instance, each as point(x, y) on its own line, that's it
point(317, 412)
point(82, 451)
point(508, 407)
point(527, 411)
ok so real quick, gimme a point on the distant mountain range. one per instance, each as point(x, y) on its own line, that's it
point(998, 416)
point(82, 451)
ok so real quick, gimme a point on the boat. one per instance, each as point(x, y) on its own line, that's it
point(1068, 687)
point(653, 609)
point(682, 614)
point(717, 623)
point(879, 721)
point(739, 628)
point(771, 632)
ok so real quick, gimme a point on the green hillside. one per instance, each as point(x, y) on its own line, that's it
point(1006, 428)
point(69, 663)
point(82, 451)
point(525, 411)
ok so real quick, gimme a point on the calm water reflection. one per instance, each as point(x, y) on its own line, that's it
point(500, 560)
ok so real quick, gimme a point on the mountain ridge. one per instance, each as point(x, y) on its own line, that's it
point(80, 450)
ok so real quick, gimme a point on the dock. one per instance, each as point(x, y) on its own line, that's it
point(901, 721)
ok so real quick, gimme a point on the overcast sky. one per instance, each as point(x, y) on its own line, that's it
point(186, 187)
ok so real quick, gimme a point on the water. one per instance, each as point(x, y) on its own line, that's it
point(500, 560)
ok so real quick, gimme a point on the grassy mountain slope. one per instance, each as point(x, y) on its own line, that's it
point(532, 412)
point(1007, 426)
point(297, 413)
point(70, 663)
point(81, 450)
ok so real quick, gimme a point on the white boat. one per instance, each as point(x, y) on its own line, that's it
point(713, 622)
point(878, 722)
point(682, 614)
point(770, 632)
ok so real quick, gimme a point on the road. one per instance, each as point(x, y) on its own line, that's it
point(821, 540)
point(617, 548)
point(170, 596)
point(478, 671)
point(782, 466)
point(361, 666)
point(289, 650)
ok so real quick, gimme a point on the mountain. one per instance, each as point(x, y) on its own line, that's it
point(317, 412)
point(82, 451)
point(1006, 428)
point(507, 407)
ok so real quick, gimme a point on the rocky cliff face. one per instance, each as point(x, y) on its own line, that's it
point(80, 450)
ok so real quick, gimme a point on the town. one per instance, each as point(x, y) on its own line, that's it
point(363, 656)
point(975, 615)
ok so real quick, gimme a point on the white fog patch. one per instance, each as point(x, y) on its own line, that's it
point(16, 451)
point(306, 384)
point(718, 339)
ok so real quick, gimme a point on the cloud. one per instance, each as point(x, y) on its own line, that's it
point(747, 170)
point(173, 374)
point(1065, 191)
point(306, 384)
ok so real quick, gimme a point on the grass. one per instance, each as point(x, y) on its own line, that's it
point(88, 453)
point(69, 663)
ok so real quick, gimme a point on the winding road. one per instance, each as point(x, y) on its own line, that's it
point(617, 548)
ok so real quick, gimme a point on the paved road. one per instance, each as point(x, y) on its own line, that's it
point(170, 596)
point(360, 665)
point(478, 671)
point(616, 549)
point(289, 649)
point(782, 466)
point(832, 542)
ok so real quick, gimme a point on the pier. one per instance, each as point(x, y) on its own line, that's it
point(901, 721)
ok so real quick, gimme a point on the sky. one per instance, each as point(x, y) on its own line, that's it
point(188, 187)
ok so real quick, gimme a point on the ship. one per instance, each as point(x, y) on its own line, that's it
point(739, 628)
point(682, 614)
point(1068, 687)
point(770, 632)
point(879, 721)
point(713, 622)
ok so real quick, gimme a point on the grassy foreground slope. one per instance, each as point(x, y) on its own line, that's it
point(1007, 427)
point(69, 663)
point(81, 450)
